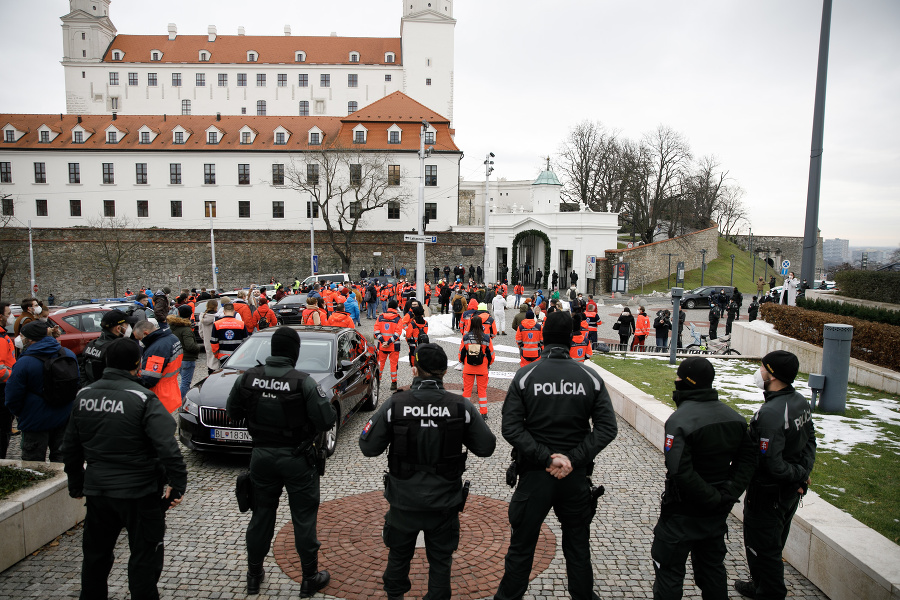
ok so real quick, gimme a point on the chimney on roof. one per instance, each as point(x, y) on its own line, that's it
point(212, 33)
point(218, 116)
point(287, 30)
point(173, 31)
point(334, 34)
point(79, 118)
point(240, 31)
point(114, 116)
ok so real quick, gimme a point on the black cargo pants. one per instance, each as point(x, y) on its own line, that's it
point(401, 527)
point(767, 522)
point(703, 538)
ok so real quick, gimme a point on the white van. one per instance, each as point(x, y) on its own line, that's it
point(341, 278)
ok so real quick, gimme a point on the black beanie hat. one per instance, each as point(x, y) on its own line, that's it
point(529, 314)
point(697, 372)
point(431, 358)
point(782, 365)
point(286, 343)
point(35, 330)
point(184, 311)
point(558, 328)
point(123, 353)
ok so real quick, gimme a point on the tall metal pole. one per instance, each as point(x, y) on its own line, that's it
point(488, 167)
point(750, 249)
point(669, 272)
point(420, 246)
point(212, 246)
point(312, 235)
point(31, 257)
point(808, 268)
point(731, 282)
point(702, 265)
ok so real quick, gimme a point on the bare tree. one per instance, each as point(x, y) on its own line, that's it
point(346, 185)
point(116, 245)
point(703, 188)
point(730, 211)
point(13, 245)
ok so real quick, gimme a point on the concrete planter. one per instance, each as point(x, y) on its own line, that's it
point(37, 514)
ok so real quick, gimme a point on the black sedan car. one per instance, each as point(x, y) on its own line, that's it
point(289, 309)
point(699, 297)
point(339, 359)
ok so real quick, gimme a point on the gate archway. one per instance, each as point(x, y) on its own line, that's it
point(523, 238)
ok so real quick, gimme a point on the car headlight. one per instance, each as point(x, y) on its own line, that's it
point(190, 407)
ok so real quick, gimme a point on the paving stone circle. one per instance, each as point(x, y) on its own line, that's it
point(353, 552)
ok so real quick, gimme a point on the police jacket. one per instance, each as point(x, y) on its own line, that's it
point(93, 360)
point(127, 438)
point(708, 453)
point(415, 424)
point(783, 432)
point(25, 389)
point(557, 405)
point(160, 366)
point(284, 407)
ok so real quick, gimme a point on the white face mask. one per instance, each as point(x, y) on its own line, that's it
point(18, 342)
point(758, 380)
point(35, 310)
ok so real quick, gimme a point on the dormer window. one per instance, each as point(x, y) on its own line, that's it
point(251, 56)
point(117, 55)
point(394, 134)
point(178, 138)
point(429, 138)
point(78, 137)
point(300, 56)
point(245, 137)
point(314, 139)
point(359, 137)
point(111, 137)
point(279, 139)
point(10, 135)
point(204, 56)
point(145, 137)
point(389, 57)
point(155, 55)
point(45, 137)
point(354, 57)
point(213, 137)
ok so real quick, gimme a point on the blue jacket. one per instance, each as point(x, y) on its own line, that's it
point(25, 389)
point(352, 307)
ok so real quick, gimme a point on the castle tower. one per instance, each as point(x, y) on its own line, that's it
point(545, 192)
point(427, 38)
point(87, 31)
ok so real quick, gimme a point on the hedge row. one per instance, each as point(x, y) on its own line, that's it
point(866, 313)
point(880, 286)
point(874, 343)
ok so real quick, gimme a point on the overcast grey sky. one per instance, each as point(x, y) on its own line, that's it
point(736, 78)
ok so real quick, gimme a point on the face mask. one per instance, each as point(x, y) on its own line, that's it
point(758, 380)
point(681, 385)
point(18, 342)
point(127, 332)
point(36, 310)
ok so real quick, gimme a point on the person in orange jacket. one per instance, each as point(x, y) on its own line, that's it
point(312, 314)
point(641, 329)
point(580, 349)
point(242, 308)
point(465, 321)
point(264, 314)
point(339, 318)
point(416, 326)
point(227, 334)
point(7, 360)
point(529, 339)
point(387, 338)
point(161, 360)
point(593, 321)
point(476, 353)
point(518, 290)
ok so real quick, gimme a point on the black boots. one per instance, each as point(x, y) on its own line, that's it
point(255, 575)
point(313, 579)
point(393, 385)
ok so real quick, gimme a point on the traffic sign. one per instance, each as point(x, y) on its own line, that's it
point(35, 288)
point(784, 271)
point(590, 267)
point(217, 270)
point(785, 264)
point(315, 264)
point(629, 245)
point(420, 239)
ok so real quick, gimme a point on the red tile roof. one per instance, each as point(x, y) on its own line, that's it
point(233, 49)
point(396, 108)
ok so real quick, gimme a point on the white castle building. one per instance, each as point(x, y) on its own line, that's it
point(242, 74)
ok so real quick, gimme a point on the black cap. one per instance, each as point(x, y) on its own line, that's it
point(184, 311)
point(113, 318)
point(782, 365)
point(697, 372)
point(35, 331)
point(431, 358)
point(286, 343)
point(558, 329)
point(123, 353)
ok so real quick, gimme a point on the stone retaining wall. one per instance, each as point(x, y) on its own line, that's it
point(779, 248)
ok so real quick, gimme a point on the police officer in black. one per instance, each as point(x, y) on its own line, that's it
point(285, 409)
point(709, 461)
point(782, 431)
point(113, 326)
point(134, 472)
point(558, 416)
point(426, 428)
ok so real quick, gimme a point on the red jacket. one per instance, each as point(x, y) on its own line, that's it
point(388, 330)
point(487, 347)
point(341, 319)
point(580, 349)
point(530, 339)
point(7, 356)
point(226, 335)
point(243, 309)
point(264, 312)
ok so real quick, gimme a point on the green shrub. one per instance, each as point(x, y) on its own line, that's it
point(874, 343)
point(866, 313)
point(879, 286)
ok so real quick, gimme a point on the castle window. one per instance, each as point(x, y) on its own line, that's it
point(353, 81)
point(82, 35)
point(109, 208)
point(387, 77)
point(113, 79)
point(117, 56)
point(145, 137)
point(300, 57)
point(175, 209)
point(251, 57)
point(179, 137)
point(260, 80)
point(213, 137)
point(185, 107)
point(260, 108)
point(352, 107)
point(428, 81)
point(314, 139)
point(223, 79)
point(359, 137)
point(354, 57)
point(204, 57)
point(45, 137)
point(282, 80)
point(200, 79)
point(325, 80)
point(5, 172)
point(111, 137)
point(132, 79)
point(154, 56)
point(78, 137)
point(176, 79)
point(389, 57)
point(303, 80)
point(242, 80)
point(245, 137)
point(304, 108)
point(151, 79)
point(394, 137)
point(279, 139)
point(429, 137)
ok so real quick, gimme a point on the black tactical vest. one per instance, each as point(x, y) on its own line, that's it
point(411, 418)
point(287, 391)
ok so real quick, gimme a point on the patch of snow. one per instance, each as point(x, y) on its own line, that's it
point(440, 325)
point(760, 325)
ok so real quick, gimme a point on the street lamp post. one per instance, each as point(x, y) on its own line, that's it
point(702, 265)
point(212, 247)
point(750, 249)
point(669, 272)
point(731, 282)
point(420, 246)
point(488, 169)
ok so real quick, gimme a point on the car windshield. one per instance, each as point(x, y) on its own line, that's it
point(295, 299)
point(315, 354)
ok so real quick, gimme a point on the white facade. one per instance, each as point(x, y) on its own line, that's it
point(249, 75)
point(836, 251)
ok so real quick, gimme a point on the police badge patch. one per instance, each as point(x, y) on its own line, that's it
point(321, 391)
point(366, 430)
point(670, 441)
point(763, 445)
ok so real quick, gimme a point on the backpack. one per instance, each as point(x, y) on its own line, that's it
point(263, 322)
point(423, 338)
point(457, 305)
point(573, 294)
point(474, 354)
point(62, 379)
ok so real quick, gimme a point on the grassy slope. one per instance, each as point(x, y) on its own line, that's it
point(718, 272)
point(869, 474)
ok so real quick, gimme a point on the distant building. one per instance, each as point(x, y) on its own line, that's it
point(836, 251)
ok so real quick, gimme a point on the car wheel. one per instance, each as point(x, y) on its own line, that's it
point(690, 304)
point(732, 351)
point(330, 436)
point(371, 401)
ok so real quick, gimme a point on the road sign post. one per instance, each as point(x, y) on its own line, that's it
point(420, 239)
point(315, 265)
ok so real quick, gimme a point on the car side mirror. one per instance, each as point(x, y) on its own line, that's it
point(345, 365)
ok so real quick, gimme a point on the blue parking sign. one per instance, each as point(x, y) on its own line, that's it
point(315, 264)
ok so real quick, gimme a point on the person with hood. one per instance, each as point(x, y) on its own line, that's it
point(161, 362)
point(625, 326)
point(458, 305)
point(351, 305)
point(529, 338)
point(520, 316)
point(580, 348)
point(42, 424)
point(340, 317)
point(714, 315)
point(161, 306)
point(207, 320)
point(753, 309)
point(264, 316)
point(710, 459)
point(181, 329)
point(499, 305)
point(387, 340)
point(465, 322)
point(663, 325)
point(415, 326)
point(476, 353)
point(114, 325)
point(242, 308)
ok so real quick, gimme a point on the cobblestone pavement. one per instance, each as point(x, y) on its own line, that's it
point(205, 555)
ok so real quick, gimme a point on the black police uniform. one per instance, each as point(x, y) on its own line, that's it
point(782, 430)
point(709, 462)
point(555, 405)
point(426, 428)
point(94, 357)
point(714, 315)
point(127, 438)
point(284, 409)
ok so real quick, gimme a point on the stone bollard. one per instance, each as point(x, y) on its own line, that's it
point(835, 366)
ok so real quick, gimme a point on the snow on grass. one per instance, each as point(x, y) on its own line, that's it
point(440, 325)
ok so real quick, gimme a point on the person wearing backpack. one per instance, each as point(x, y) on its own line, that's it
point(265, 316)
point(40, 392)
point(416, 332)
point(387, 339)
point(458, 306)
point(476, 353)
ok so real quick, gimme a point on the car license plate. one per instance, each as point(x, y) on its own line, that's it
point(286, 311)
point(230, 435)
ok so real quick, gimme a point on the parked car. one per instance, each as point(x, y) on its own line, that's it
point(78, 325)
point(829, 285)
point(339, 359)
point(699, 297)
point(78, 302)
point(289, 309)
